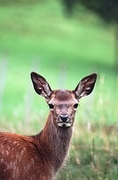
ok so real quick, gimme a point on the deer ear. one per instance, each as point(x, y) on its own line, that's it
point(85, 86)
point(41, 86)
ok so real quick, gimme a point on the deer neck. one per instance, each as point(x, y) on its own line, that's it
point(56, 140)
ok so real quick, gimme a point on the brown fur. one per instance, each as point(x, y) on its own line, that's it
point(33, 157)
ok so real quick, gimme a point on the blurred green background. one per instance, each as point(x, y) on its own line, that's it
point(41, 36)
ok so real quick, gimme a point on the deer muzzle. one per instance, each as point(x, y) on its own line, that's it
point(64, 120)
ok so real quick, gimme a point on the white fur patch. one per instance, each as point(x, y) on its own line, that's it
point(64, 124)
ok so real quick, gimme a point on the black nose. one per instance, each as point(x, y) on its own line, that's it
point(64, 117)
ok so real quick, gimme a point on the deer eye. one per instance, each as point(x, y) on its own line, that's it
point(51, 106)
point(75, 106)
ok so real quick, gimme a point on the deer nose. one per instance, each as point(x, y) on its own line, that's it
point(64, 117)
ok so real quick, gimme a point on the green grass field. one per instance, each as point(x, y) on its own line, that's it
point(39, 37)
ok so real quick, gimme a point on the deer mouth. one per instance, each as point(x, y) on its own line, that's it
point(64, 124)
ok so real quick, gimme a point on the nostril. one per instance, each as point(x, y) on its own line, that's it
point(64, 117)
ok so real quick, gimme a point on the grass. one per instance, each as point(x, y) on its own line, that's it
point(38, 37)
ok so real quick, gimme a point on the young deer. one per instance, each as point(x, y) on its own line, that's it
point(39, 157)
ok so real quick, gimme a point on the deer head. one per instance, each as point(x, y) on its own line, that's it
point(63, 103)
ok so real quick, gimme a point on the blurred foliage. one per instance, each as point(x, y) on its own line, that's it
point(107, 9)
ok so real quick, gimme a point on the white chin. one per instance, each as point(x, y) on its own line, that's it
point(64, 124)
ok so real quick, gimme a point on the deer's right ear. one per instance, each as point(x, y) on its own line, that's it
point(41, 86)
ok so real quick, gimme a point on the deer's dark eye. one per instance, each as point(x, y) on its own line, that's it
point(75, 106)
point(51, 106)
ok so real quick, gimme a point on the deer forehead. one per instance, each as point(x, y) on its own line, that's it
point(63, 97)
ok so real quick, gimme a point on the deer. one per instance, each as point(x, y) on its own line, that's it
point(41, 156)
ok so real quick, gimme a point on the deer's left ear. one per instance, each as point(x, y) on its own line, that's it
point(85, 86)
